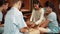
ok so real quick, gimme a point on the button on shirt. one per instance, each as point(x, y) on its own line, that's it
point(14, 22)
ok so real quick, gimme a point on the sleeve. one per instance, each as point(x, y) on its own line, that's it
point(52, 17)
point(21, 22)
point(1, 16)
point(41, 17)
point(32, 15)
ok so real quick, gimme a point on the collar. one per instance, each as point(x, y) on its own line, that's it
point(15, 8)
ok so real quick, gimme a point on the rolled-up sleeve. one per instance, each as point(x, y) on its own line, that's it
point(19, 21)
point(22, 24)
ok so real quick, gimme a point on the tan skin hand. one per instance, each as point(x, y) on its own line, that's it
point(24, 29)
point(30, 24)
point(33, 25)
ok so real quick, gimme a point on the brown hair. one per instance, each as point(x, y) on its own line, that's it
point(37, 2)
point(3, 2)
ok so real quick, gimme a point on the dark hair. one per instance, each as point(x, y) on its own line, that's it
point(3, 2)
point(37, 2)
point(49, 4)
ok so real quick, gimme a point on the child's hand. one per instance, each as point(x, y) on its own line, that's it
point(33, 25)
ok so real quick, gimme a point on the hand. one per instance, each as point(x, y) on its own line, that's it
point(23, 30)
point(33, 25)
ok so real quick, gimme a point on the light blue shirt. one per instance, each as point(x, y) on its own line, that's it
point(1, 15)
point(53, 25)
point(14, 22)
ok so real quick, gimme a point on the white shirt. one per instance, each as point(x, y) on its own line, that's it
point(14, 22)
point(37, 16)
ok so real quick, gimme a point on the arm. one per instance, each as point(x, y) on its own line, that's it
point(44, 23)
point(22, 24)
point(32, 15)
point(41, 17)
point(50, 18)
point(18, 22)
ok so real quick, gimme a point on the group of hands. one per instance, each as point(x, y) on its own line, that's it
point(32, 26)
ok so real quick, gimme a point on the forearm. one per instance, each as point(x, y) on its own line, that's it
point(39, 21)
point(31, 18)
point(32, 15)
point(45, 23)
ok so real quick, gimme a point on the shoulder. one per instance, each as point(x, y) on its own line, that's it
point(42, 9)
point(53, 13)
point(33, 11)
point(10, 13)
